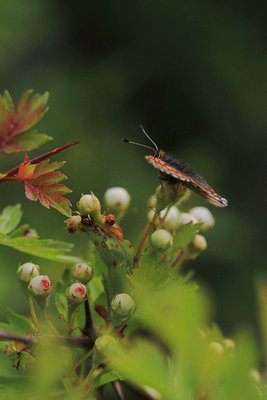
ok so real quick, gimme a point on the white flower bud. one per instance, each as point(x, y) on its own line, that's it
point(203, 214)
point(171, 221)
point(117, 199)
point(74, 224)
point(82, 273)
point(199, 243)
point(216, 347)
point(152, 201)
point(40, 286)
point(161, 240)
point(150, 215)
point(76, 293)
point(28, 271)
point(104, 343)
point(123, 304)
point(229, 344)
point(89, 204)
point(185, 218)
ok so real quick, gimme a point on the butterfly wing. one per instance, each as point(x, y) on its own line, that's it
point(169, 166)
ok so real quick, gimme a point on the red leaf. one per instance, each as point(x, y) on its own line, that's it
point(15, 122)
point(102, 312)
point(42, 183)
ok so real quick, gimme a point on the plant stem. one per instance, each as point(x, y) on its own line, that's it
point(33, 313)
point(117, 387)
point(144, 238)
point(89, 329)
point(38, 159)
point(82, 359)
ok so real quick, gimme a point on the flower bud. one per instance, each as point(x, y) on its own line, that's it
point(161, 240)
point(104, 343)
point(40, 286)
point(117, 199)
point(82, 273)
point(185, 218)
point(74, 224)
point(216, 347)
point(28, 271)
point(76, 293)
point(89, 204)
point(229, 344)
point(199, 243)
point(123, 305)
point(203, 214)
point(171, 221)
point(152, 201)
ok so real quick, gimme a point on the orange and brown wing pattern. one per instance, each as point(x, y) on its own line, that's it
point(165, 168)
point(192, 180)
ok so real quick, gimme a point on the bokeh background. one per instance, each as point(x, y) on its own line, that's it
point(194, 74)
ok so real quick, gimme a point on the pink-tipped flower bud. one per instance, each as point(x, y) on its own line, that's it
point(74, 224)
point(117, 199)
point(89, 204)
point(28, 271)
point(123, 305)
point(105, 343)
point(203, 214)
point(161, 240)
point(82, 273)
point(40, 286)
point(76, 293)
point(185, 218)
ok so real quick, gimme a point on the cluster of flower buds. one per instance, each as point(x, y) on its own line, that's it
point(29, 276)
point(81, 274)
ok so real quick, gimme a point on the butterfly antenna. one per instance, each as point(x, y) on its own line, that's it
point(138, 144)
point(149, 138)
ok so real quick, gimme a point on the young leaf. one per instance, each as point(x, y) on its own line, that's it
point(10, 218)
point(185, 235)
point(42, 183)
point(15, 122)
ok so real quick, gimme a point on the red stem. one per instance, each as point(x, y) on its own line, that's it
point(38, 159)
point(143, 240)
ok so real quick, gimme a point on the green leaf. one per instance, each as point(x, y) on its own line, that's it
point(26, 359)
point(26, 141)
point(106, 376)
point(10, 218)
point(19, 323)
point(61, 301)
point(185, 235)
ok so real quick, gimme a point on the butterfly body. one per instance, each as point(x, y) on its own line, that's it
point(175, 171)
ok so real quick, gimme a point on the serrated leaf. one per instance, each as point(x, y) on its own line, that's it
point(41, 183)
point(185, 235)
point(19, 323)
point(10, 218)
point(15, 123)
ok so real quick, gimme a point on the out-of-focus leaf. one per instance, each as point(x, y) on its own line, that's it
point(61, 301)
point(106, 376)
point(18, 323)
point(15, 122)
point(10, 218)
point(26, 359)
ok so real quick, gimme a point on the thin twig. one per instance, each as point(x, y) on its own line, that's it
point(144, 238)
point(38, 159)
point(75, 341)
point(117, 387)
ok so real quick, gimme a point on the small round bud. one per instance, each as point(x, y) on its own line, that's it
point(117, 199)
point(255, 375)
point(123, 305)
point(150, 215)
point(229, 344)
point(171, 221)
point(28, 271)
point(199, 243)
point(40, 286)
point(89, 204)
point(76, 293)
point(82, 273)
point(161, 240)
point(185, 218)
point(216, 347)
point(152, 201)
point(203, 214)
point(74, 224)
point(104, 343)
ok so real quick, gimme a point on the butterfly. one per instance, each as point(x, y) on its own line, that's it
point(175, 171)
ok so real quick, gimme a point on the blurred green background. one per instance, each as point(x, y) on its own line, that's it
point(194, 74)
